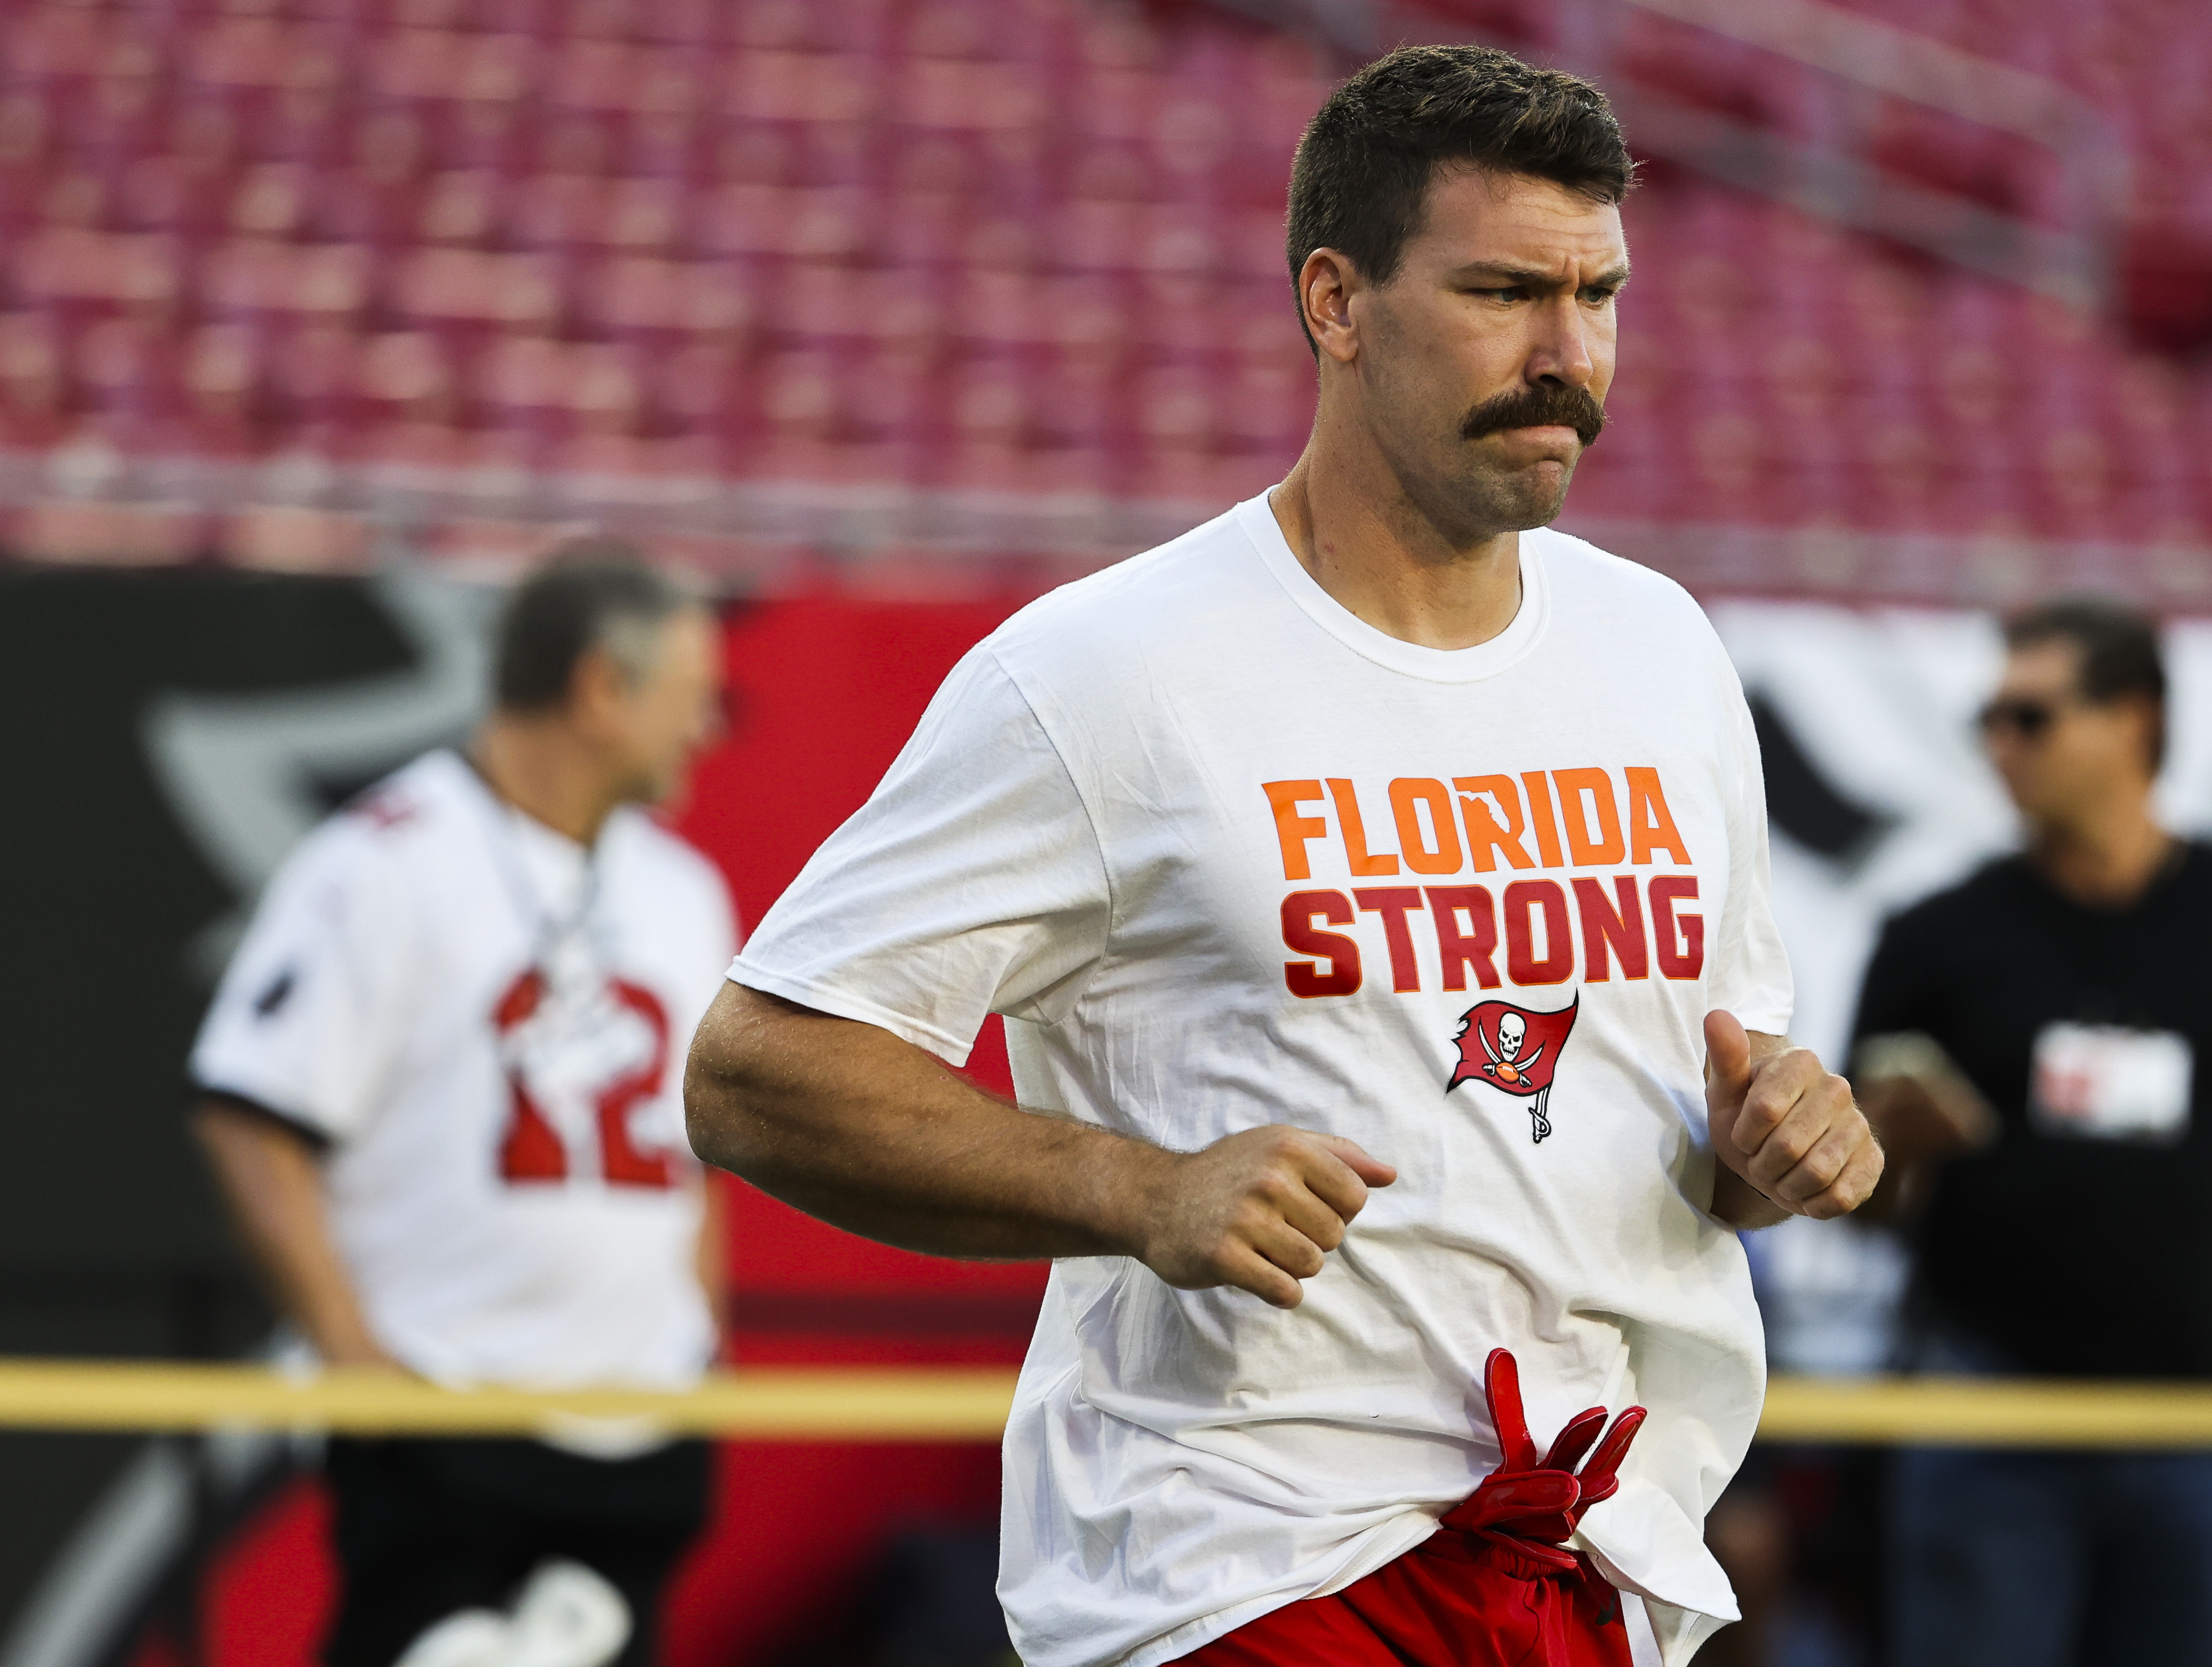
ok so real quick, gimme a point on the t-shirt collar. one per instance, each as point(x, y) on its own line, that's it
point(1434, 664)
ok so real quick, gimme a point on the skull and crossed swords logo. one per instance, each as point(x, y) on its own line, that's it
point(1516, 1051)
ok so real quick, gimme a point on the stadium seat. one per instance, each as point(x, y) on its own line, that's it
point(469, 289)
point(250, 278)
point(816, 234)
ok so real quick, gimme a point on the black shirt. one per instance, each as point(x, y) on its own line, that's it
point(2072, 1255)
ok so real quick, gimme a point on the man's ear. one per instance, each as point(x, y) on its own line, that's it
point(1327, 284)
point(597, 684)
point(2151, 722)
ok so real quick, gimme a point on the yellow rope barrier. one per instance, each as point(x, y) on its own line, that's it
point(1986, 1412)
point(780, 1404)
point(967, 1404)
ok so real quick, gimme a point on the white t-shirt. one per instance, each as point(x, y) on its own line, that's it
point(487, 1023)
point(1224, 855)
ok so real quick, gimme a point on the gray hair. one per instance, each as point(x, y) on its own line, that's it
point(597, 593)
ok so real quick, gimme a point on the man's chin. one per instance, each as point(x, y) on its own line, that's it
point(653, 790)
point(1529, 498)
point(1545, 513)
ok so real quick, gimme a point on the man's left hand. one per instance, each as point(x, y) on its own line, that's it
point(1785, 1130)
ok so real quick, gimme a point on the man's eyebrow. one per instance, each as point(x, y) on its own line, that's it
point(1527, 277)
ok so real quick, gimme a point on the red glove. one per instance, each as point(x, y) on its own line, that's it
point(1524, 1499)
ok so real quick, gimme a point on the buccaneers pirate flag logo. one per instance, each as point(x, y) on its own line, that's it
point(1515, 1052)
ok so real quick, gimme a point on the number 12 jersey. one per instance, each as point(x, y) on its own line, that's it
point(485, 1025)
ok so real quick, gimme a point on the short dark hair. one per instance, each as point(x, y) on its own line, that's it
point(2117, 646)
point(1362, 175)
point(595, 592)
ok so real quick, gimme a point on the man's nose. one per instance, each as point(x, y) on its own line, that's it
point(1563, 351)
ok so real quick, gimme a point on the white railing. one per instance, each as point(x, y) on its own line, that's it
point(2072, 261)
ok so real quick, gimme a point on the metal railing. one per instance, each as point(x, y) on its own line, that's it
point(1864, 61)
point(971, 1405)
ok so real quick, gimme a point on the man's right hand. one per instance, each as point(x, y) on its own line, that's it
point(862, 1128)
point(363, 1354)
point(1258, 1210)
point(273, 1182)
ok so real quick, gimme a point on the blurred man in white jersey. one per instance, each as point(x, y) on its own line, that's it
point(1376, 890)
point(440, 1087)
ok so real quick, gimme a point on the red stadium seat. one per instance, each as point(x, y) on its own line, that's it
point(254, 279)
point(34, 391)
point(706, 390)
point(1083, 207)
point(617, 75)
point(808, 224)
point(467, 288)
point(220, 408)
point(662, 303)
point(97, 273)
point(315, 380)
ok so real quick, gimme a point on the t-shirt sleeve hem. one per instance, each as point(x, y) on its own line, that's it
point(842, 1004)
point(255, 1105)
point(1767, 1021)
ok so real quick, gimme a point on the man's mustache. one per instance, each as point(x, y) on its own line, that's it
point(1549, 405)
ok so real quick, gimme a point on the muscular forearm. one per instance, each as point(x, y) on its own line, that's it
point(850, 1123)
point(274, 1187)
point(711, 1258)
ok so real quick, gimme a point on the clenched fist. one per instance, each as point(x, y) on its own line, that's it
point(1786, 1125)
point(1258, 1210)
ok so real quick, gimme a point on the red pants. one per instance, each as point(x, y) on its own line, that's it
point(1455, 1600)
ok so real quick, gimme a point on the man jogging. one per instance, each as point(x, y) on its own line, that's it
point(1370, 884)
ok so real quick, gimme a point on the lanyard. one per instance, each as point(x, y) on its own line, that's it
point(550, 932)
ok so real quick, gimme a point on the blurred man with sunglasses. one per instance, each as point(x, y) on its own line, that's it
point(2030, 1044)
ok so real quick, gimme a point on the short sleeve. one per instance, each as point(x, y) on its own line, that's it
point(1751, 976)
point(307, 1020)
point(971, 882)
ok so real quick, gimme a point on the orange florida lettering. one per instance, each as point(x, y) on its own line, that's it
point(1651, 824)
point(1590, 817)
point(1590, 789)
point(1292, 830)
point(1436, 851)
point(1539, 818)
point(1485, 838)
point(1355, 833)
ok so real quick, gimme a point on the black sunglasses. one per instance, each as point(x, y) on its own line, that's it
point(2030, 719)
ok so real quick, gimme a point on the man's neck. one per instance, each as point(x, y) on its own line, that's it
point(1383, 562)
point(536, 766)
point(2104, 861)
